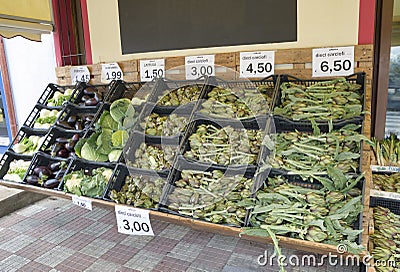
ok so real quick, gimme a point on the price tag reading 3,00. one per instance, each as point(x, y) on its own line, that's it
point(151, 69)
point(133, 221)
point(257, 64)
point(111, 71)
point(338, 61)
point(198, 66)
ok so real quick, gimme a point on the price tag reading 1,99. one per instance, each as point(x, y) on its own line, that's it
point(151, 69)
point(133, 221)
point(110, 72)
point(197, 66)
point(257, 64)
point(79, 74)
point(337, 61)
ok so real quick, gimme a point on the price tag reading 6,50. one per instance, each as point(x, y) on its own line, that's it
point(337, 61)
point(198, 66)
point(133, 221)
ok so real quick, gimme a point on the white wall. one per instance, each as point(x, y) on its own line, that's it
point(31, 67)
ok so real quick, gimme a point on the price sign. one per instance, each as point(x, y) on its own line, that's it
point(197, 66)
point(79, 74)
point(257, 64)
point(390, 195)
point(150, 69)
point(82, 202)
point(133, 221)
point(337, 61)
point(385, 169)
point(111, 71)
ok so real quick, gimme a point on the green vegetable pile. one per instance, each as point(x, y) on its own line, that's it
point(158, 125)
point(211, 196)
point(225, 146)
point(309, 155)
point(325, 100)
point(386, 239)
point(387, 151)
point(59, 98)
point(322, 215)
point(153, 157)
point(237, 104)
point(17, 170)
point(91, 185)
point(111, 134)
point(139, 191)
point(179, 96)
point(388, 183)
point(46, 118)
point(28, 145)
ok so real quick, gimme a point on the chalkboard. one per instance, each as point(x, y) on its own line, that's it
point(157, 25)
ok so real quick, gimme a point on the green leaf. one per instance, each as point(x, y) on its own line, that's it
point(119, 109)
point(89, 152)
point(114, 155)
point(338, 177)
point(79, 145)
point(119, 138)
point(344, 156)
point(107, 122)
point(315, 127)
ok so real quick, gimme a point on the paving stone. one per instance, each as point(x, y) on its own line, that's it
point(4, 254)
point(198, 237)
point(10, 220)
point(13, 263)
point(113, 235)
point(174, 232)
point(96, 229)
point(33, 266)
point(41, 230)
point(242, 261)
point(161, 245)
point(7, 234)
point(119, 254)
point(137, 241)
point(26, 225)
point(144, 261)
point(30, 210)
point(77, 241)
point(211, 259)
point(185, 251)
point(98, 213)
point(76, 262)
point(169, 264)
point(35, 250)
point(97, 248)
point(102, 265)
point(223, 242)
point(55, 256)
point(57, 237)
point(17, 243)
point(79, 224)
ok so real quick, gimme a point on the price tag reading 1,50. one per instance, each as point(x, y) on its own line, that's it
point(257, 64)
point(133, 221)
point(79, 74)
point(197, 66)
point(151, 69)
point(82, 202)
point(111, 71)
point(337, 61)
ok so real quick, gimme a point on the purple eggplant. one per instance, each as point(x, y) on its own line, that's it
point(75, 138)
point(51, 183)
point(42, 170)
point(91, 102)
point(63, 153)
point(32, 179)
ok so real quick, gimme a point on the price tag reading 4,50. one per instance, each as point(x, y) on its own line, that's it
point(257, 64)
point(133, 221)
point(150, 69)
point(337, 61)
point(111, 71)
point(197, 66)
point(82, 202)
point(79, 74)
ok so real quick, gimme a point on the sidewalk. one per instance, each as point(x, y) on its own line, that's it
point(55, 235)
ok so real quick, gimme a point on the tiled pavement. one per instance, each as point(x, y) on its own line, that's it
point(55, 235)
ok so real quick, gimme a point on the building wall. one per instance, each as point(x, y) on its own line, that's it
point(31, 67)
point(320, 23)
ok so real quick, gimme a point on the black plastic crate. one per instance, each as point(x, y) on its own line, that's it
point(175, 175)
point(50, 140)
point(35, 114)
point(49, 92)
point(42, 159)
point(76, 118)
point(282, 122)
point(136, 139)
point(192, 128)
point(23, 133)
point(392, 204)
point(271, 83)
point(6, 160)
point(99, 92)
point(130, 90)
point(78, 164)
point(165, 86)
point(120, 174)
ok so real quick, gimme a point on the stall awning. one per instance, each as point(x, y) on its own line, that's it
point(27, 18)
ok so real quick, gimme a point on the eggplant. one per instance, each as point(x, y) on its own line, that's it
point(85, 97)
point(32, 179)
point(63, 153)
point(75, 137)
point(55, 166)
point(64, 124)
point(78, 126)
point(51, 183)
point(70, 146)
point(62, 140)
point(90, 90)
point(71, 120)
point(42, 170)
point(91, 102)
point(59, 174)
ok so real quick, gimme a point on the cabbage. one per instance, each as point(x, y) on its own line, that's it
point(114, 155)
point(119, 109)
point(119, 138)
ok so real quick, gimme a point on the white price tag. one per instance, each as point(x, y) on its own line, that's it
point(79, 74)
point(82, 202)
point(385, 169)
point(111, 71)
point(197, 66)
point(150, 69)
point(390, 195)
point(257, 64)
point(133, 221)
point(336, 61)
